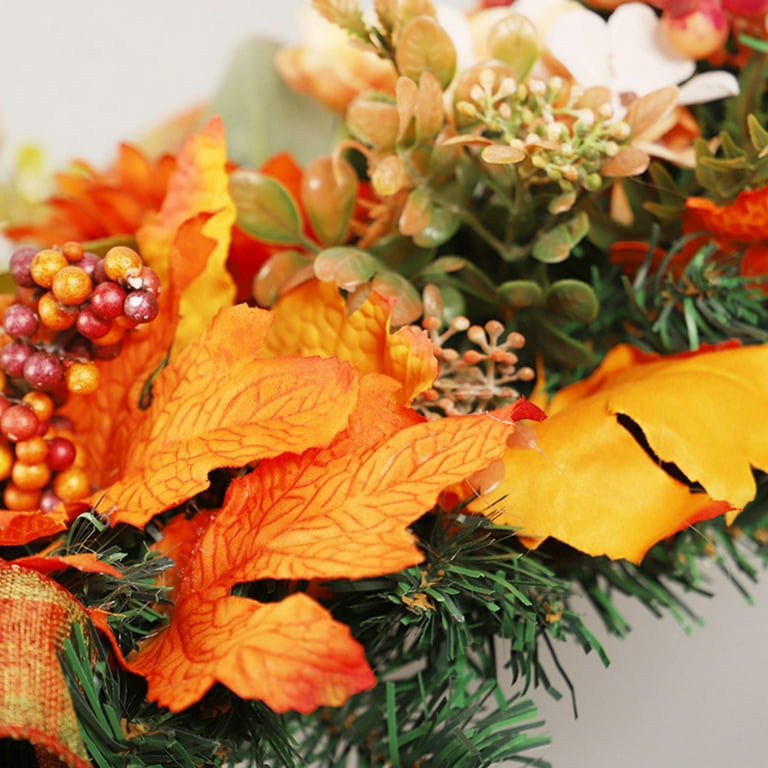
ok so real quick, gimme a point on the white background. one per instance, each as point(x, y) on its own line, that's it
point(81, 75)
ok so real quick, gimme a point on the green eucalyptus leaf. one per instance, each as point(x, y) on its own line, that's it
point(407, 307)
point(557, 346)
point(263, 116)
point(265, 208)
point(442, 226)
point(555, 244)
point(282, 271)
point(463, 275)
point(424, 46)
point(347, 267)
point(572, 300)
point(520, 293)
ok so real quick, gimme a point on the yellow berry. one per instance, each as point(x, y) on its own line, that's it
point(6, 460)
point(112, 336)
point(40, 402)
point(30, 477)
point(121, 262)
point(31, 451)
point(45, 264)
point(18, 499)
point(71, 484)
point(55, 315)
point(72, 250)
point(71, 285)
point(83, 378)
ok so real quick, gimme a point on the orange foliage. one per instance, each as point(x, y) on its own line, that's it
point(602, 473)
point(339, 511)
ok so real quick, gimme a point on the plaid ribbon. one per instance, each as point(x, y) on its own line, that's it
point(36, 616)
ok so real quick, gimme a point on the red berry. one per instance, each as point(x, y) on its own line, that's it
point(43, 370)
point(748, 8)
point(20, 320)
point(18, 423)
point(90, 325)
point(107, 300)
point(13, 356)
point(49, 501)
point(19, 267)
point(61, 453)
point(140, 306)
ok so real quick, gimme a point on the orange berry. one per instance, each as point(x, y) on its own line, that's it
point(45, 265)
point(72, 250)
point(30, 477)
point(18, 499)
point(6, 460)
point(112, 336)
point(40, 402)
point(32, 451)
point(55, 315)
point(71, 484)
point(121, 262)
point(83, 378)
point(71, 285)
point(3, 380)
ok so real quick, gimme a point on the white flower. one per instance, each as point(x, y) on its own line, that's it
point(629, 55)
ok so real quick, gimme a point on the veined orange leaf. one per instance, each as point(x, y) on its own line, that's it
point(17, 528)
point(219, 404)
point(595, 473)
point(340, 511)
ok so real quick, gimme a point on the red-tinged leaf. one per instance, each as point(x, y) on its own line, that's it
point(17, 528)
point(86, 562)
point(313, 320)
point(309, 516)
point(217, 405)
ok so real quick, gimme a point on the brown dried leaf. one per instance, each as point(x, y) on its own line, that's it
point(630, 161)
point(503, 154)
point(646, 115)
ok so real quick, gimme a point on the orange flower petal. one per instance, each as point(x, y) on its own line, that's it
point(312, 319)
point(587, 481)
point(218, 405)
point(199, 185)
point(746, 219)
point(330, 512)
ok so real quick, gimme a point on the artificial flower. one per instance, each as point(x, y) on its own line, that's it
point(619, 463)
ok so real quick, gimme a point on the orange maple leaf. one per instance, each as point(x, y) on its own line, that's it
point(586, 478)
point(335, 512)
point(218, 404)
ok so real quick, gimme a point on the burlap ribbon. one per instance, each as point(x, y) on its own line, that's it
point(36, 616)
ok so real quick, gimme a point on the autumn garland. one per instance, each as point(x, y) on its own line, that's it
point(258, 512)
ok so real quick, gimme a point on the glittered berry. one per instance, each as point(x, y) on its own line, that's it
point(122, 262)
point(30, 477)
point(17, 423)
point(32, 451)
point(82, 378)
point(146, 280)
point(107, 300)
point(140, 306)
point(61, 453)
point(49, 501)
point(20, 320)
point(7, 459)
point(45, 265)
point(40, 402)
point(71, 285)
point(19, 267)
point(18, 499)
point(43, 370)
point(71, 484)
point(72, 250)
point(699, 33)
point(55, 315)
point(90, 325)
point(13, 356)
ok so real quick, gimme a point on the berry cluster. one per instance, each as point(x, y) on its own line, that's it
point(72, 308)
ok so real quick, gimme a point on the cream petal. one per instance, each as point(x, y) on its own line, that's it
point(579, 40)
point(709, 86)
point(642, 61)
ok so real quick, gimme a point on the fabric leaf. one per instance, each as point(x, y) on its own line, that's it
point(217, 405)
point(312, 319)
point(586, 478)
point(340, 511)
